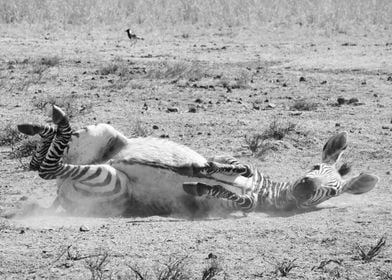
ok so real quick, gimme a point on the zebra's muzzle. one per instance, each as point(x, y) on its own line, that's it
point(305, 189)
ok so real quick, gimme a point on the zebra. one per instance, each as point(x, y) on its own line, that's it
point(319, 184)
point(100, 171)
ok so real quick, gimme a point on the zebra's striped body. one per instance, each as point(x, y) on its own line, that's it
point(99, 171)
point(321, 183)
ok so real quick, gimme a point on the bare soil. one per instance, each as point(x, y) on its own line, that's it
point(237, 81)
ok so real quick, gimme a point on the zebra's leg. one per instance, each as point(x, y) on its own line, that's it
point(246, 202)
point(226, 165)
point(83, 188)
point(52, 163)
point(47, 134)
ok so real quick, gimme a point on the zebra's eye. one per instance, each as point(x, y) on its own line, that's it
point(316, 167)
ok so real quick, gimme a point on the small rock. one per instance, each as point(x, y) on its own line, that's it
point(198, 100)
point(389, 79)
point(341, 100)
point(375, 95)
point(302, 79)
point(323, 82)
point(388, 172)
point(271, 105)
point(23, 198)
point(353, 100)
point(337, 124)
point(256, 107)
point(172, 110)
point(385, 127)
point(363, 83)
point(284, 85)
point(192, 109)
point(22, 231)
point(155, 127)
point(84, 228)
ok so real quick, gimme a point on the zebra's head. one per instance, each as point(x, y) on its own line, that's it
point(94, 144)
point(326, 180)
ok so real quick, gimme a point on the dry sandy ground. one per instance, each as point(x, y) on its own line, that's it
point(267, 66)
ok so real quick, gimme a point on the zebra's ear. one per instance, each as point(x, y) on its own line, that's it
point(29, 129)
point(334, 147)
point(361, 184)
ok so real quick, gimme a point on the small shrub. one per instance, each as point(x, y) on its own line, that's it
point(373, 251)
point(258, 146)
point(283, 268)
point(304, 105)
point(278, 130)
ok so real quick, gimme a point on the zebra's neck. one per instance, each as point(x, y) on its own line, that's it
point(274, 195)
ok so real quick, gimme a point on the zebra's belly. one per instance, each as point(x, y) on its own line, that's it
point(88, 200)
point(162, 189)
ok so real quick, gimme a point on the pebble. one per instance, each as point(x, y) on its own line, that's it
point(302, 79)
point(172, 110)
point(84, 228)
point(155, 127)
point(271, 105)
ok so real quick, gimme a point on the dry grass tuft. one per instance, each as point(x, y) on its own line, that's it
point(174, 270)
point(278, 130)
point(283, 268)
point(97, 265)
point(372, 252)
point(192, 71)
point(259, 144)
point(213, 269)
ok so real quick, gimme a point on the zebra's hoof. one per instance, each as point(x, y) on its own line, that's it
point(196, 189)
point(58, 115)
point(29, 129)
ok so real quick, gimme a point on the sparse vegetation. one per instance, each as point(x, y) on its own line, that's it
point(71, 104)
point(304, 105)
point(283, 268)
point(9, 135)
point(117, 67)
point(177, 70)
point(97, 266)
point(259, 143)
point(278, 130)
point(369, 255)
point(212, 270)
